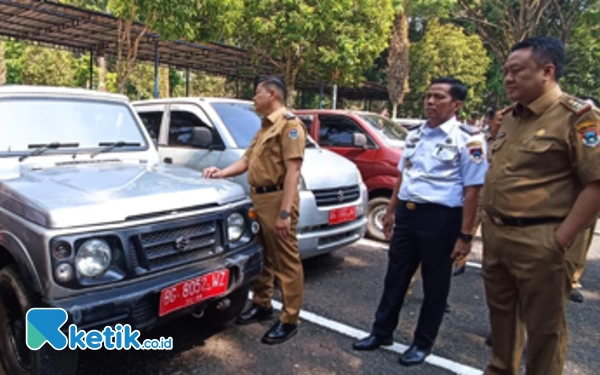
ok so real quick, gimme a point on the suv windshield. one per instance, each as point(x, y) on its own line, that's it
point(28, 123)
point(389, 131)
point(242, 122)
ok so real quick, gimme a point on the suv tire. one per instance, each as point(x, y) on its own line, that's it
point(375, 214)
point(218, 319)
point(15, 300)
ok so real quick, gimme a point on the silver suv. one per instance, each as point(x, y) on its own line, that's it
point(203, 132)
point(92, 222)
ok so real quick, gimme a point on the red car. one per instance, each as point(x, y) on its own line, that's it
point(373, 142)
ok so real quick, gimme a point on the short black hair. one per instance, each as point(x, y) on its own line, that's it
point(592, 99)
point(491, 113)
point(545, 50)
point(458, 90)
point(272, 82)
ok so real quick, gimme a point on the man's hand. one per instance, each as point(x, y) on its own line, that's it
point(212, 172)
point(461, 249)
point(283, 227)
point(388, 225)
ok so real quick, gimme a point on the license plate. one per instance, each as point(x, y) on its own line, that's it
point(342, 215)
point(191, 292)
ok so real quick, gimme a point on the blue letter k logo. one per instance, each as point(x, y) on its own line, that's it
point(43, 325)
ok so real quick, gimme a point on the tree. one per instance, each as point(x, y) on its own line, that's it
point(333, 40)
point(2, 65)
point(171, 19)
point(446, 50)
point(501, 23)
point(45, 66)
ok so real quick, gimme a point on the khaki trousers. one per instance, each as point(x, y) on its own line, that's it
point(527, 278)
point(579, 258)
point(281, 258)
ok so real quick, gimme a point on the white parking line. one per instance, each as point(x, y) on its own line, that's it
point(355, 333)
point(378, 245)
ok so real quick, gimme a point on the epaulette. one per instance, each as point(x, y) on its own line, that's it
point(575, 105)
point(469, 129)
point(289, 115)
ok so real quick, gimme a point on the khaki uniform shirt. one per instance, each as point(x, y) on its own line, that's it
point(282, 137)
point(543, 156)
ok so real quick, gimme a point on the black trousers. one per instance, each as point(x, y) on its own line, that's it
point(426, 235)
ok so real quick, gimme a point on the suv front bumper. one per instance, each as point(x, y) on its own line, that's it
point(137, 302)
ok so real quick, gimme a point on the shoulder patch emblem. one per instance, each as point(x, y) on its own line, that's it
point(576, 105)
point(589, 132)
point(293, 133)
point(289, 115)
point(469, 129)
point(475, 151)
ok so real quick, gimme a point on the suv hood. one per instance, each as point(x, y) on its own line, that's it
point(80, 195)
point(324, 169)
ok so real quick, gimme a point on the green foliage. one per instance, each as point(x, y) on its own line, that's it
point(336, 40)
point(447, 51)
point(582, 71)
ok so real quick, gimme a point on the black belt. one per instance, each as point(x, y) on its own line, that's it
point(524, 221)
point(267, 189)
point(413, 206)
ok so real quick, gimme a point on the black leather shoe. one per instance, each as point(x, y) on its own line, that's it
point(576, 296)
point(279, 333)
point(372, 342)
point(414, 356)
point(488, 340)
point(255, 314)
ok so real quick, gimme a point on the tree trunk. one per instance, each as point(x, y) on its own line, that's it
point(163, 81)
point(398, 61)
point(2, 65)
point(101, 72)
point(126, 64)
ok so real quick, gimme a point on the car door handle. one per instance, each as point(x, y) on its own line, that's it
point(168, 160)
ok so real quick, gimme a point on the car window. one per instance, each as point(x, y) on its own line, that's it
point(390, 131)
point(243, 122)
point(152, 121)
point(240, 119)
point(307, 120)
point(181, 125)
point(338, 131)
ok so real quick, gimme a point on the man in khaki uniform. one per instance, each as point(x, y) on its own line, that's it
point(273, 161)
point(541, 192)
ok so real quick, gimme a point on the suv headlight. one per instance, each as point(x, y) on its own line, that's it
point(93, 258)
point(235, 227)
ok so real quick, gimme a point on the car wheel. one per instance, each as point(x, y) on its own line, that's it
point(375, 215)
point(15, 300)
point(217, 319)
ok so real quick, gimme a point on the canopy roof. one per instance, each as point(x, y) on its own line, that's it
point(80, 30)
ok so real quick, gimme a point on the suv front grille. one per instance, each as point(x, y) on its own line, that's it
point(331, 197)
point(173, 247)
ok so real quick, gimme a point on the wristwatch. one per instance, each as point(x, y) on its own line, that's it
point(284, 214)
point(466, 237)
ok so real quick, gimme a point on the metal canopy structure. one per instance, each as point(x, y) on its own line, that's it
point(83, 31)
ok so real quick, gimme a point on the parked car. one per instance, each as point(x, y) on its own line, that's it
point(202, 132)
point(373, 142)
point(92, 222)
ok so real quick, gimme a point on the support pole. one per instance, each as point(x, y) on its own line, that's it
point(156, 60)
point(335, 89)
point(187, 82)
point(91, 69)
point(321, 96)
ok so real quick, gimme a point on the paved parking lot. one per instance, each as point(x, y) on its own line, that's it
point(341, 294)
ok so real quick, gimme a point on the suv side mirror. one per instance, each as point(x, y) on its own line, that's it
point(201, 137)
point(359, 140)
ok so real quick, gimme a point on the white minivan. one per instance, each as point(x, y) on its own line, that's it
point(202, 132)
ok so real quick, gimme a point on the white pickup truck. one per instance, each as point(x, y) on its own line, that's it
point(202, 132)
